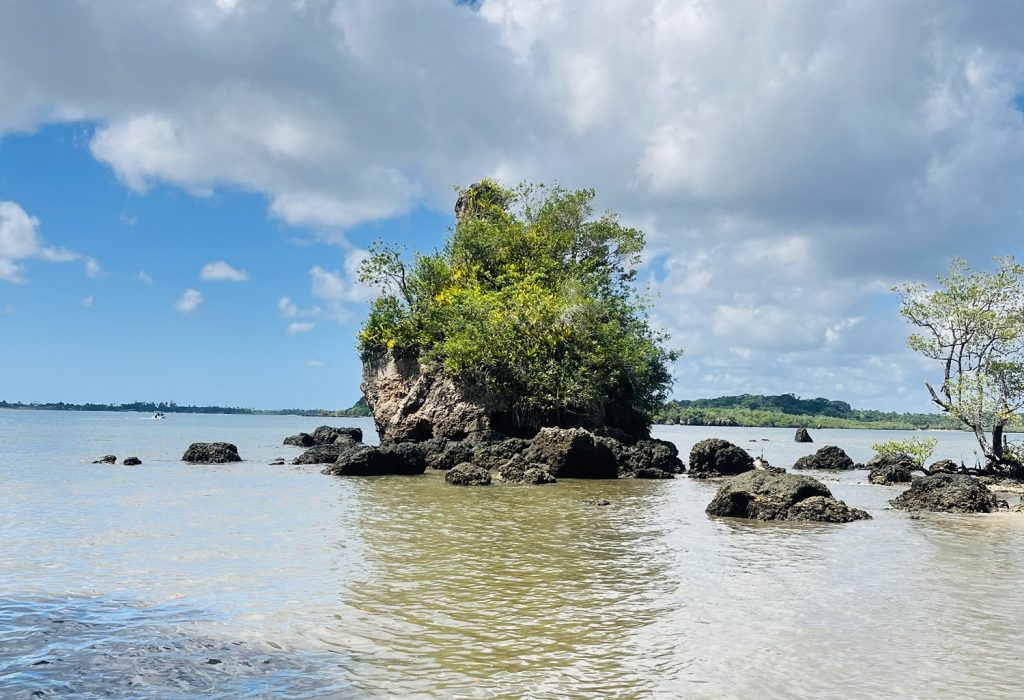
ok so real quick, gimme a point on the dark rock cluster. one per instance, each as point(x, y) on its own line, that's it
point(947, 493)
point(764, 495)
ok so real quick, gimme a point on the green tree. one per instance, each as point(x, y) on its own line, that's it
point(914, 449)
point(972, 324)
point(533, 298)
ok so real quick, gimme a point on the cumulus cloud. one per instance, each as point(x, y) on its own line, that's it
point(20, 240)
point(188, 302)
point(789, 160)
point(315, 363)
point(220, 271)
point(297, 327)
point(92, 267)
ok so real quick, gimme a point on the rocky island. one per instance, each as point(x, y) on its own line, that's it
point(522, 348)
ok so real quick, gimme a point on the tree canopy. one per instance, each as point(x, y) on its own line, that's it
point(533, 298)
point(972, 324)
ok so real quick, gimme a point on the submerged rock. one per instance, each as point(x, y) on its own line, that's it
point(519, 471)
point(947, 493)
point(715, 457)
point(106, 459)
point(466, 474)
point(277, 462)
point(572, 453)
point(802, 435)
point(829, 457)
point(362, 460)
point(211, 453)
point(131, 461)
point(762, 495)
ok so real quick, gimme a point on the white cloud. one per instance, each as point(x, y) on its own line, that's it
point(788, 159)
point(87, 301)
point(220, 271)
point(145, 278)
point(7, 310)
point(287, 309)
point(92, 267)
point(20, 240)
point(297, 327)
point(315, 363)
point(188, 302)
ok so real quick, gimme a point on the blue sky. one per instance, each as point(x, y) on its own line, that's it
point(789, 164)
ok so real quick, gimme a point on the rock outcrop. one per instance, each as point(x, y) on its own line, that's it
point(106, 459)
point(762, 495)
point(829, 458)
point(357, 459)
point(411, 402)
point(947, 493)
point(211, 453)
point(324, 435)
point(300, 440)
point(715, 457)
point(466, 474)
point(645, 458)
point(131, 461)
point(572, 453)
point(325, 454)
point(802, 435)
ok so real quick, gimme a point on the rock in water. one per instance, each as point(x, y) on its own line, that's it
point(518, 471)
point(466, 474)
point(325, 454)
point(106, 459)
point(300, 440)
point(572, 453)
point(762, 495)
point(646, 458)
point(211, 453)
point(802, 435)
point(444, 454)
point(131, 461)
point(363, 460)
point(947, 493)
point(715, 457)
point(829, 457)
point(326, 435)
point(885, 474)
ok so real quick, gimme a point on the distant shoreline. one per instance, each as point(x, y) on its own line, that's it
point(359, 410)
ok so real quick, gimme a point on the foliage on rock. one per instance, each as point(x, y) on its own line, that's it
point(532, 297)
point(914, 449)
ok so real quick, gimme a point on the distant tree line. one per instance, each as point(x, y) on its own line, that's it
point(790, 411)
point(358, 409)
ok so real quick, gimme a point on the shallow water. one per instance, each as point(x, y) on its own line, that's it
point(170, 580)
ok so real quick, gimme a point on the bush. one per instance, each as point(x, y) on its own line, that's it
point(914, 449)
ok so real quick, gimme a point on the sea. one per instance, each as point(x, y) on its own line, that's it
point(247, 580)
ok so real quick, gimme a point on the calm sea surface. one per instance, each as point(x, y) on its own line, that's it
point(248, 580)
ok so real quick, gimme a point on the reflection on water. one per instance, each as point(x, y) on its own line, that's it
point(395, 586)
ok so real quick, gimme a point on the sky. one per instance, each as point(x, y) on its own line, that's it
point(187, 187)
